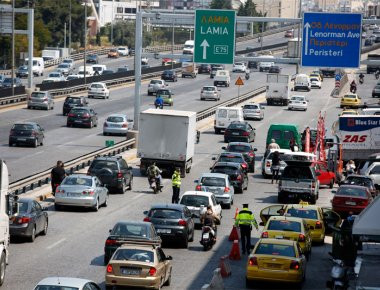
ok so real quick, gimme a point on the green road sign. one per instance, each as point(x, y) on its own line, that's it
point(214, 38)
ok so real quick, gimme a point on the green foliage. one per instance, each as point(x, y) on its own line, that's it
point(221, 4)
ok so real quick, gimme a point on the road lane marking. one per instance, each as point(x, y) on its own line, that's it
point(55, 244)
point(137, 196)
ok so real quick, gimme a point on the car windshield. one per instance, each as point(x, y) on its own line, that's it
point(18, 127)
point(73, 100)
point(275, 250)
point(23, 206)
point(239, 148)
point(209, 89)
point(213, 181)
point(55, 287)
point(113, 50)
point(238, 63)
point(97, 68)
point(134, 255)
point(63, 65)
point(230, 158)
point(303, 213)
point(359, 181)
point(91, 56)
point(350, 191)
point(195, 200)
point(377, 87)
point(69, 78)
point(225, 169)
point(314, 80)
point(155, 82)
point(123, 229)
point(294, 172)
point(115, 119)
point(67, 61)
point(284, 225)
point(251, 107)
point(237, 126)
point(75, 180)
point(350, 96)
point(100, 164)
point(38, 95)
point(97, 86)
point(168, 72)
point(54, 75)
point(161, 213)
point(163, 93)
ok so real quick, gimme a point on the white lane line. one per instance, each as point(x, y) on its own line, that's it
point(137, 196)
point(55, 244)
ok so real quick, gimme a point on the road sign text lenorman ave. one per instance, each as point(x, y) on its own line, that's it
point(331, 40)
point(214, 40)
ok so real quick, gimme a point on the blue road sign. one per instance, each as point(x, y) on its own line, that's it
point(331, 40)
point(338, 77)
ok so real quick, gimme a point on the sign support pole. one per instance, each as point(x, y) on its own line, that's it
point(138, 51)
point(30, 46)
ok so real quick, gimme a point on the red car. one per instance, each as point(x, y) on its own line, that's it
point(351, 198)
point(325, 176)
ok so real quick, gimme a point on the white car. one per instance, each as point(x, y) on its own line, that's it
point(374, 172)
point(116, 124)
point(56, 77)
point(373, 26)
point(315, 83)
point(66, 283)
point(239, 67)
point(124, 51)
point(144, 60)
point(266, 163)
point(297, 103)
point(210, 92)
point(156, 85)
point(253, 111)
point(69, 61)
point(197, 202)
point(98, 90)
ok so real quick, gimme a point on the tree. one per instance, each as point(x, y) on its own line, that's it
point(221, 4)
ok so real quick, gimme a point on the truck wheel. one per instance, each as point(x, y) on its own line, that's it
point(2, 268)
point(188, 169)
point(217, 131)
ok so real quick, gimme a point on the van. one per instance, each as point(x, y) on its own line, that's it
point(188, 48)
point(302, 82)
point(37, 66)
point(265, 65)
point(98, 69)
point(371, 111)
point(283, 133)
point(225, 115)
point(89, 71)
point(222, 77)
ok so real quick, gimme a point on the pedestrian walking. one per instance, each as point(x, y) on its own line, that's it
point(275, 168)
point(245, 219)
point(176, 183)
point(57, 175)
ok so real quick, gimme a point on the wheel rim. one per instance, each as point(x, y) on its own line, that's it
point(2, 268)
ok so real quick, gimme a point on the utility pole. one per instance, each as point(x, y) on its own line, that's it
point(64, 37)
point(70, 28)
point(112, 17)
point(262, 28)
point(13, 47)
point(138, 51)
point(299, 36)
point(85, 41)
point(172, 40)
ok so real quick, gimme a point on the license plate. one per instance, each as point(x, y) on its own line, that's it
point(350, 203)
point(279, 237)
point(235, 133)
point(130, 271)
point(164, 231)
point(291, 196)
point(274, 266)
point(21, 139)
point(78, 121)
point(206, 236)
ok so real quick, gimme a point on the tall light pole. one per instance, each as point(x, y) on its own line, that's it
point(299, 36)
point(13, 47)
point(70, 28)
point(262, 28)
point(172, 59)
point(85, 41)
point(112, 17)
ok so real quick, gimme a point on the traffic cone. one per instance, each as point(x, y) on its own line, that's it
point(225, 267)
point(235, 234)
point(235, 251)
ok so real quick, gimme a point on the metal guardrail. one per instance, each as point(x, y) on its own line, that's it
point(37, 180)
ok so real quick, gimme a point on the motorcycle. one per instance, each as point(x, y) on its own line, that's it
point(154, 183)
point(339, 275)
point(207, 238)
point(247, 76)
point(159, 106)
point(361, 81)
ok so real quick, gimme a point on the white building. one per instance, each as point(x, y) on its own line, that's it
point(278, 8)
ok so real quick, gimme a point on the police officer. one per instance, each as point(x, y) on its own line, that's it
point(176, 183)
point(245, 219)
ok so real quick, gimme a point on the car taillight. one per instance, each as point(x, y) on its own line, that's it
point(294, 265)
point(301, 238)
point(23, 220)
point(105, 124)
point(146, 219)
point(268, 164)
point(198, 187)
point(182, 223)
point(58, 190)
point(226, 189)
point(264, 235)
point(252, 261)
point(313, 184)
point(109, 268)
point(119, 175)
point(238, 177)
point(125, 125)
point(86, 115)
point(245, 134)
point(89, 192)
point(71, 115)
point(362, 202)
point(152, 271)
point(110, 242)
point(244, 165)
point(250, 154)
point(34, 133)
point(318, 225)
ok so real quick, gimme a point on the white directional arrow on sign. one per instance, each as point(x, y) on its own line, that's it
point(204, 44)
point(307, 26)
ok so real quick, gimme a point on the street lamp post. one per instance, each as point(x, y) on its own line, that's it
point(85, 41)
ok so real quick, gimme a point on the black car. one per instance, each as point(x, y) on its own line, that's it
point(246, 149)
point(129, 231)
point(28, 133)
point(236, 173)
point(173, 222)
point(239, 131)
point(275, 69)
point(234, 158)
point(204, 68)
point(107, 72)
point(169, 75)
point(252, 63)
point(123, 69)
point(214, 68)
point(22, 72)
point(82, 116)
point(7, 83)
point(131, 51)
point(92, 58)
point(113, 172)
point(71, 102)
point(31, 220)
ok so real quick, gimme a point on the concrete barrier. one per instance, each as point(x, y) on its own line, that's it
point(216, 281)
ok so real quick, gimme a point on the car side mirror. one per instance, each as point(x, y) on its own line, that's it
point(224, 148)
point(169, 258)
point(110, 230)
point(254, 149)
point(213, 158)
point(262, 224)
point(145, 212)
point(196, 181)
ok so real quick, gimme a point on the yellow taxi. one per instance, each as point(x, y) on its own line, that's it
point(349, 112)
point(350, 101)
point(316, 75)
point(139, 266)
point(276, 260)
point(317, 218)
point(289, 228)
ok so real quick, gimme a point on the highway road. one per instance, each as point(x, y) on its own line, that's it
point(75, 240)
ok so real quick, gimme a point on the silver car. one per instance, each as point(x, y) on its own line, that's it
point(42, 100)
point(66, 283)
point(156, 85)
point(81, 191)
point(69, 61)
point(253, 111)
point(65, 69)
point(210, 92)
point(220, 185)
point(117, 124)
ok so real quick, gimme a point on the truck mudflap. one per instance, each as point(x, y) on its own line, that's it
point(167, 166)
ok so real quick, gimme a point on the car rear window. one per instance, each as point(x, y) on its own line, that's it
point(100, 164)
point(301, 99)
point(350, 191)
point(54, 287)
point(251, 107)
point(195, 200)
point(238, 126)
point(115, 119)
point(154, 82)
point(209, 89)
point(284, 225)
point(222, 113)
point(350, 96)
point(78, 111)
point(213, 181)
point(160, 213)
point(239, 148)
point(22, 206)
point(97, 86)
point(232, 114)
point(276, 250)
point(303, 213)
point(73, 100)
point(22, 127)
point(38, 95)
point(163, 92)
point(276, 134)
point(74, 180)
point(359, 181)
point(230, 158)
point(122, 229)
point(302, 172)
point(270, 156)
point(134, 255)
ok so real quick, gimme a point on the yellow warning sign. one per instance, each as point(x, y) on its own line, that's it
point(239, 82)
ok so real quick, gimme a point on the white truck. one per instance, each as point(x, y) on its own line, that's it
point(49, 54)
point(278, 89)
point(167, 137)
point(359, 136)
point(38, 66)
point(222, 77)
point(293, 49)
point(189, 69)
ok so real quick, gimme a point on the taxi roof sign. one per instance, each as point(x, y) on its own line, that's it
point(239, 82)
